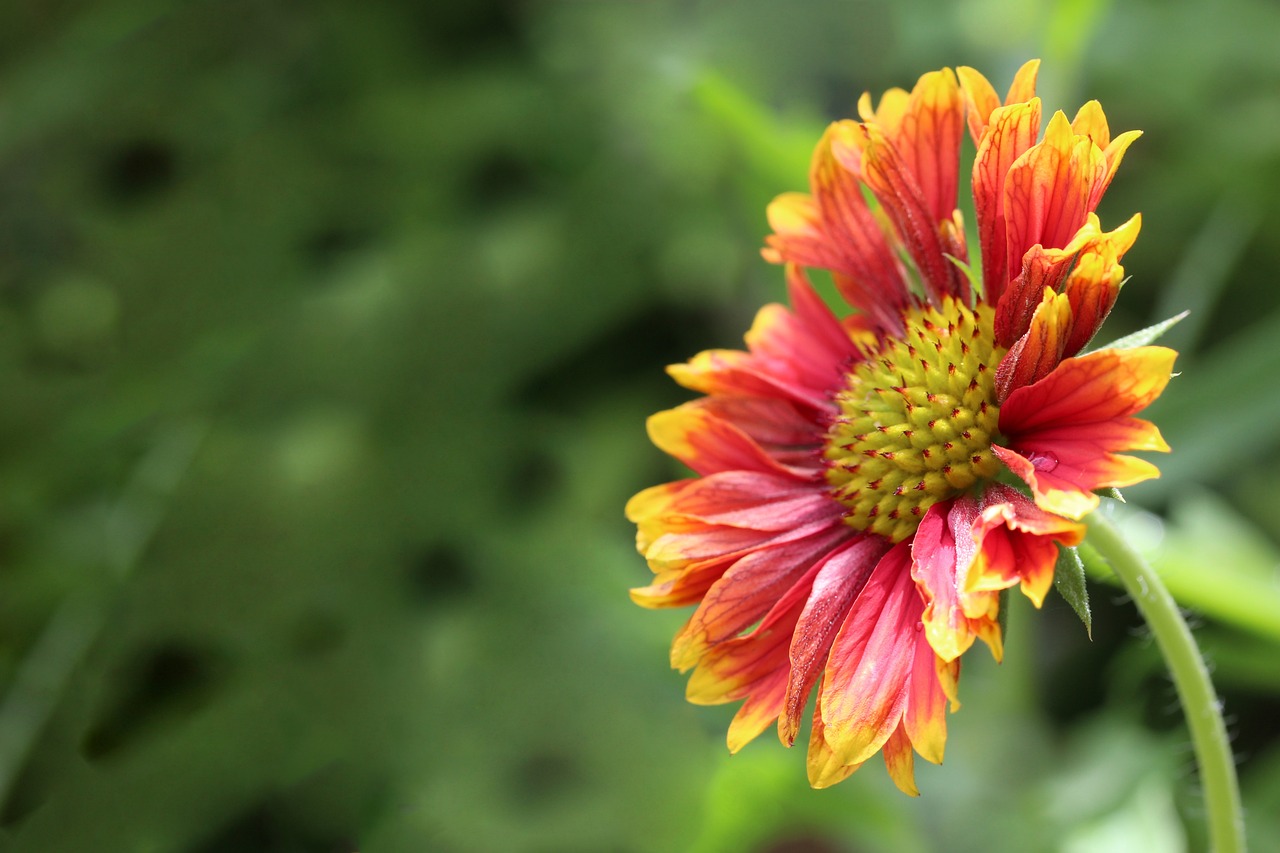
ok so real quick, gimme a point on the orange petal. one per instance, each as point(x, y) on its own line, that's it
point(681, 587)
point(1050, 190)
point(1011, 132)
point(1023, 87)
point(1087, 269)
point(928, 138)
point(1095, 280)
point(1066, 431)
point(1113, 154)
point(709, 445)
point(1040, 350)
point(759, 710)
point(980, 100)
point(889, 177)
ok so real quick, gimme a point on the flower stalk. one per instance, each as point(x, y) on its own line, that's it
point(1190, 677)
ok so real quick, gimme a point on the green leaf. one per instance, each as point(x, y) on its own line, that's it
point(1068, 579)
point(975, 280)
point(1142, 337)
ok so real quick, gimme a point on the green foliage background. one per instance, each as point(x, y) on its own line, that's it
point(327, 335)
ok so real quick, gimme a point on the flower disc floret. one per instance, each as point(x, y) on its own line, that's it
point(917, 419)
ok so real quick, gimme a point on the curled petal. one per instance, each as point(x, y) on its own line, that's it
point(943, 551)
point(1095, 280)
point(1017, 544)
point(1087, 269)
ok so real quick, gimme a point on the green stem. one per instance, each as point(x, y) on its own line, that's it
point(1190, 677)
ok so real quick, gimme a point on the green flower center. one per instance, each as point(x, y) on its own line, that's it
point(917, 420)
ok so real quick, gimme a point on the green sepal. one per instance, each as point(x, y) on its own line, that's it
point(1112, 493)
point(975, 280)
point(1142, 337)
point(1068, 579)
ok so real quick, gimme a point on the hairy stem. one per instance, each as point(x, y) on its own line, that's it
point(1190, 677)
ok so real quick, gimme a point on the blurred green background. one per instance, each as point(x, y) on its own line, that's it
point(327, 335)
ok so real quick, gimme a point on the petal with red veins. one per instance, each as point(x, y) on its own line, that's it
point(865, 682)
point(710, 445)
point(1039, 350)
point(1066, 432)
point(837, 584)
point(751, 588)
point(835, 229)
point(1011, 132)
point(1050, 189)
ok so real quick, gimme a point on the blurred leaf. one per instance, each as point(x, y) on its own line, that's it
point(1219, 414)
point(775, 151)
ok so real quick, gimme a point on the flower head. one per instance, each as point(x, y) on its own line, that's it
point(868, 485)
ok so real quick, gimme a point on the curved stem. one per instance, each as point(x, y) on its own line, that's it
point(1190, 677)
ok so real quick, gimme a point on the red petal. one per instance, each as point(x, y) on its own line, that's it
point(798, 356)
point(754, 586)
point(865, 683)
point(839, 580)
